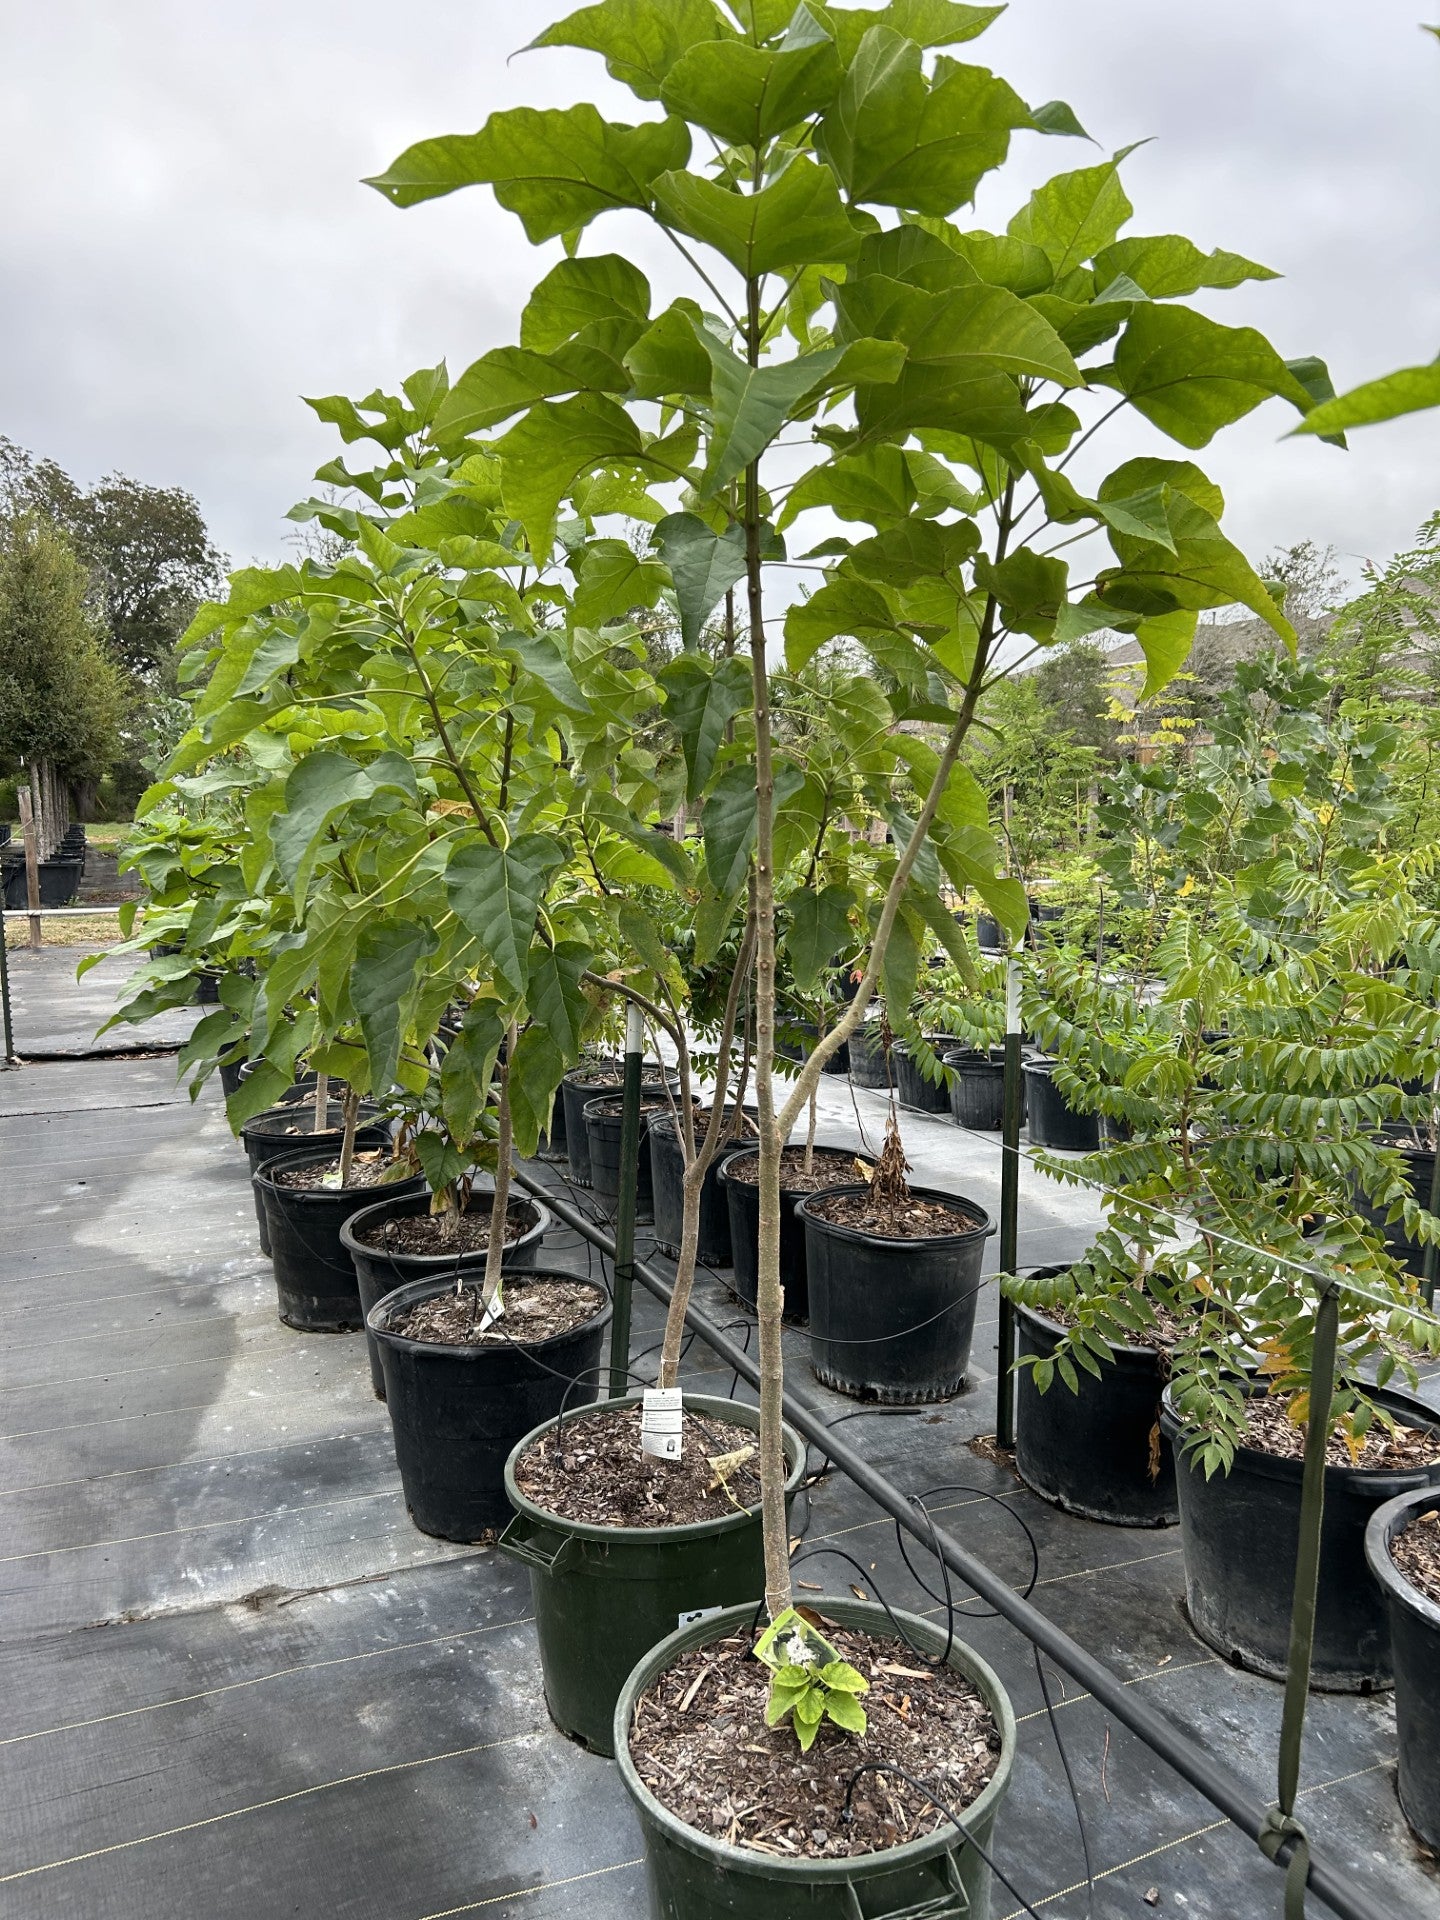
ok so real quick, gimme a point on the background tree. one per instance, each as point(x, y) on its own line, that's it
point(61, 695)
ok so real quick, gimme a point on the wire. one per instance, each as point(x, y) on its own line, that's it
point(888, 1766)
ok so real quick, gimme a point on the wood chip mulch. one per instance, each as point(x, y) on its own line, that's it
point(700, 1743)
point(1269, 1429)
point(599, 1475)
point(907, 1219)
point(830, 1167)
point(535, 1309)
point(1416, 1552)
point(424, 1233)
point(366, 1170)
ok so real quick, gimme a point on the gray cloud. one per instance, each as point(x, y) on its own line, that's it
point(188, 248)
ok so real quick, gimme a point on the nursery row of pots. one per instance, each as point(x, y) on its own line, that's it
point(973, 1088)
point(470, 1418)
point(1110, 1452)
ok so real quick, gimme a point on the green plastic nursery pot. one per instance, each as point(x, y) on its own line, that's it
point(693, 1876)
point(603, 1596)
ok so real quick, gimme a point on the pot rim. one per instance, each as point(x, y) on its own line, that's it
point(720, 1853)
point(981, 1232)
point(786, 1193)
point(668, 1122)
point(962, 1057)
point(308, 1156)
point(425, 1288)
point(1143, 1355)
point(427, 1263)
point(718, 1407)
point(374, 1118)
point(1380, 1530)
point(1271, 1466)
point(654, 1091)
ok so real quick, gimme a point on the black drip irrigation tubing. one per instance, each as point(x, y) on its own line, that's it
point(1225, 1790)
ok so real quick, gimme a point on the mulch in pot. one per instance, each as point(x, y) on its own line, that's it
point(1416, 1553)
point(366, 1170)
point(598, 1474)
point(700, 1744)
point(1269, 1429)
point(899, 1219)
point(424, 1233)
point(614, 1108)
point(535, 1309)
point(829, 1166)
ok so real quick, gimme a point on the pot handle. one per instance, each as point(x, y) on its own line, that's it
point(953, 1904)
point(537, 1548)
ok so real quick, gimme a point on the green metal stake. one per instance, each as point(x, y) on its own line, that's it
point(8, 1058)
point(625, 1209)
point(1282, 1825)
point(1009, 1204)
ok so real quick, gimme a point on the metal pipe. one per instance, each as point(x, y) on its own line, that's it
point(1009, 1205)
point(1225, 1790)
point(7, 1059)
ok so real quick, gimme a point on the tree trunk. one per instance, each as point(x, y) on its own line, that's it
point(322, 1103)
point(495, 1247)
point(351, 1111)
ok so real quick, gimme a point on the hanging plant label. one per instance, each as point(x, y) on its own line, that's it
point(660, 1423)
point(492, 1313)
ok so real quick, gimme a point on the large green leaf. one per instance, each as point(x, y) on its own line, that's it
point(1191, 376)
point(745, 95)
point(965, 350)
point(1165, 640)
point(879, 484)
point(842, 606)
point(1166, 265)
point(1074, 216)
point(640, 39)
point(898, 139)
point(704, 566)
point(929, 23)
point(915, 550)
point(535, 1072)
point(495, 893)
point(508, 379)
point(701, 698)
point(468, 1066)
point(546, 453)
point(320, 787)
point(818, 927)
point(749, 405)
point(667, 361)
point(1411, 390)
point(556, 1001)
point(579, 294)
point(798, 220)
point(1206, 570)
point(539, 654)
point(388, 956)
point(1030, 588)
point(612, 580)
point(664, 862)
point(729, 821)
point(556, 167)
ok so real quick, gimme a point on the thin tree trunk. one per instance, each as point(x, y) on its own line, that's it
point(30, 835)
point(322, 1103)
point(351, 1110)
point(495, 1247)
point(697, 1164)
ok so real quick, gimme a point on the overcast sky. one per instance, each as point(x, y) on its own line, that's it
point(187, 248)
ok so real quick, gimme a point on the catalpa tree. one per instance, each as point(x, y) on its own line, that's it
point(808, 165)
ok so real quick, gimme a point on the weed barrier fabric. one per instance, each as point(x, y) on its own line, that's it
point(1225, 1790)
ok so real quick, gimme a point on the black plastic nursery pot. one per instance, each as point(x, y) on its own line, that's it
point(742, 1200)
point(697, 1876)
point(1091, 1452)
point(988, 934)
point(1053, 1122)
point(583, 1084)
point(314, 1275)
point(892, 1320)
point(280, 1130)
point(1415, 1656)
point(1240, 1532)
point(59, 880)
point(379, 1271)
point(977, 1088)
point(603, 1596)
point(604, 1122)
point(667, 1179)
point(458, 1412)
point(868, 1066)
point(911, 1087)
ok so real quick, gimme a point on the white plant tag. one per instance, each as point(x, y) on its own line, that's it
point(660, 1423)
point(492, 1313)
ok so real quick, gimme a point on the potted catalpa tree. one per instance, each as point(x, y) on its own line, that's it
point(807, 164)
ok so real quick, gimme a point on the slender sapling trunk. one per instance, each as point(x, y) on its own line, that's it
point(495, 1248)
point(351, 1110)
point(322, 1102)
